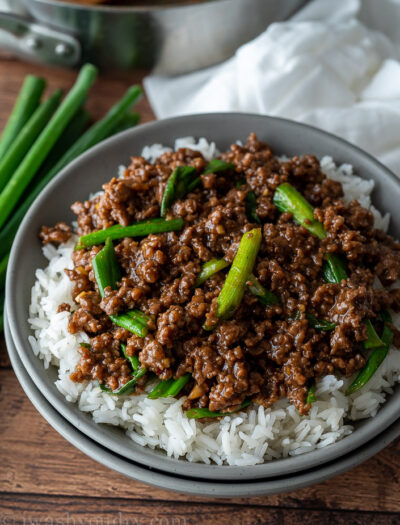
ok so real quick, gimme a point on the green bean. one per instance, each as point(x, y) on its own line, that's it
point(176, 186)
point(234, 287)
point(27, 136)
point(288, 199)
point(217, 165)
point(3, 270)
point(210, 268)
point(44, 143)
point(198, 413)
point(107, 273)
point(27, 102)
point(251, 207)
point(139, 229)
point(334, 269)
point(375, 359)
point(311, 397)
point(335, 272)
point(169, 387)
point(265, 297)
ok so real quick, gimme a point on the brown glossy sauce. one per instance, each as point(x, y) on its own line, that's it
point(262, 353)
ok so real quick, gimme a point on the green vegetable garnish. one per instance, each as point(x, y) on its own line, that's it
point(176, 187)
point(108, 273)
point(234, 287)
point(375, 359)
point(198, 413)
point(169, 387)
point(139, 229)
point(44, 143)
point(210, 268)
point(288, 199)
point(251, 207)
point(27, 102)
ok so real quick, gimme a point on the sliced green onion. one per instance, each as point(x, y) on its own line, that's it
point(169, 387)
point(210, 268)
point(251, 207)
point(107, 273)
point(288, 199)
point(176, 187)
point(130, 386)
point(375, 359)
point(125, 389)
point(373, 340)
point(139, 229)
point(320, 324)
point(265, 297)
point(198, 413)
point(132, 321)
point(311, 397)
point(234, 287)
point(217, 165)
point(334, 269)
point(106, 268)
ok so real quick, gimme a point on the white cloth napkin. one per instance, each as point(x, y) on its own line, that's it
point(324, 67)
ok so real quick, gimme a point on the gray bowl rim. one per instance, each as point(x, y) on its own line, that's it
point(198, 487)
point(102, 433)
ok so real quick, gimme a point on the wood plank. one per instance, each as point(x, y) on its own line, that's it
point(4, 359)
point(40, 461)
point(29, 509)
point(105, 92)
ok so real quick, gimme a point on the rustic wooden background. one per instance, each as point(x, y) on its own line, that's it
point(45, 480)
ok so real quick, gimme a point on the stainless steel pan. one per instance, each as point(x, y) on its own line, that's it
point(171, 39)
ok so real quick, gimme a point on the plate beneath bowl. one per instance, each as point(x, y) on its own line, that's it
point(93, 168)
point(172, 482)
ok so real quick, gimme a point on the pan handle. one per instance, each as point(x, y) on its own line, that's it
point(37, 42)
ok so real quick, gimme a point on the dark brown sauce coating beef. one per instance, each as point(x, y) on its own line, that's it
point(261, 353)
point(60, 233)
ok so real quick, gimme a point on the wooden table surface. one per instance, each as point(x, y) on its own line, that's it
point(45, 480)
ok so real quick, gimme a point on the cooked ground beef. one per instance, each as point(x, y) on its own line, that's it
point(60, 233)
point(262, 353)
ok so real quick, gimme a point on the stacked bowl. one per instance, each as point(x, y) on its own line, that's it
point(110, 445)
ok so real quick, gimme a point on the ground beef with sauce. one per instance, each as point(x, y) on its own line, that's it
point(261, 353)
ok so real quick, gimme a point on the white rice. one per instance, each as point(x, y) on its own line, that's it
point(245, 438)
